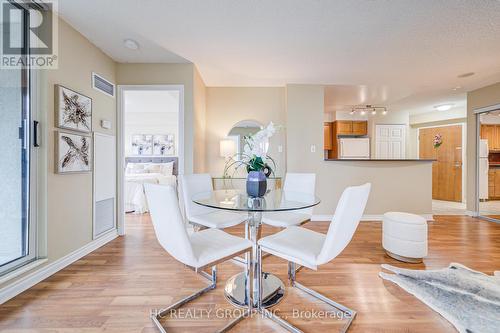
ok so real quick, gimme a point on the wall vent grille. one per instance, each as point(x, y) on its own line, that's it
point(103, 85)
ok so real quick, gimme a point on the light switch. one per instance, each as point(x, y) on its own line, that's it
point(280, 149)
point(313, 148)
point(106, 124)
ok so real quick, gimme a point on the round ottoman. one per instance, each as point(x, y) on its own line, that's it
point(404, 236)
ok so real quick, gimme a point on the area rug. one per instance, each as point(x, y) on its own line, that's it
point(469, 300)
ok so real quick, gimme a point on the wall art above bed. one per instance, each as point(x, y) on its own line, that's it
point(163, 145)
point(73, 110)
point(73, 153)
point(142, 144)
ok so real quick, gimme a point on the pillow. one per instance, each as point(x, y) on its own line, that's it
point(135, 168)
point(152, 167)
point(167, 169)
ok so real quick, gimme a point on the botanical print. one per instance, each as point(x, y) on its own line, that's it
point(163, 145)
point(74, 111)
point(73, 153)
point(142, 144)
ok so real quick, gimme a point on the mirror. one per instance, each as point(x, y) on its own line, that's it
point(239, 131)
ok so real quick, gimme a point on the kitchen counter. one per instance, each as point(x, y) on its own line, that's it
point(380, 160)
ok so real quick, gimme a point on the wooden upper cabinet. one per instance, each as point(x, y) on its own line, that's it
point(343, 127)
point(348, 127)
point(360, 128)
point(327, 136)
point(492, 134)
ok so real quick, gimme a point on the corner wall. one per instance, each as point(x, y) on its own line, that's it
point(479, 98)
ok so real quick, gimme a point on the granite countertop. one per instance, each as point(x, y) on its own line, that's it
point(380, 160)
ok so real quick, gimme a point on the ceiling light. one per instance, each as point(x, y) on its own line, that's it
point(443, 107)
point(363, 112)
point(384, 112)
point(131, 44)
point(456, 88)
point(461, 76)
point(374, 112)
point(352, 112)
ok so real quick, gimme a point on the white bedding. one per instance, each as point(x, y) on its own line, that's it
point(135, 198)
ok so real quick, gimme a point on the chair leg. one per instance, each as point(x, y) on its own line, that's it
point(292, 270)
point(157, 315)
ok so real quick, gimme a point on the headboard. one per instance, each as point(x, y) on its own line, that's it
point(154, 159)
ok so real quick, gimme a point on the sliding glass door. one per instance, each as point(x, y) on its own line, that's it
point(17, 241)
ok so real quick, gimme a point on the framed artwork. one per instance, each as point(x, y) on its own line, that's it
point(163, 145)
point(142, 144)
point(73, 110)
point(73, 153)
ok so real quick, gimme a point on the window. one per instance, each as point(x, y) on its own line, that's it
point(17, 232)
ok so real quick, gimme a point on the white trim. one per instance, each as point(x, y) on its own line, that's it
point(21, 270)
point(30, 280)
point(471, 213)
point(487, 108)
point(121, 142)
point(366, 217)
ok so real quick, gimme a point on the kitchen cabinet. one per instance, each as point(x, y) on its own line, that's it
point(359, 127)
point(492, 134)
point(349, 127)
point(327, 136)
point(343, 127)
point(494, 183)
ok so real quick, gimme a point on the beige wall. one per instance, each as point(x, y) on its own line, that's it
point(228, 106)
point(200, 123)
point(403, 186)
point(165, 74)
point(479, 98)
point(69, 197)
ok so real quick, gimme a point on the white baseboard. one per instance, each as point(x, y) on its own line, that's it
point(471, 213)
point(41, 274)
point(366, 217)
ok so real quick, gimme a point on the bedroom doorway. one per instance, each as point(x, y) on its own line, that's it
point(151, 145)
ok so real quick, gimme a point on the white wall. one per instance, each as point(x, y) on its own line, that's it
point(151, 112)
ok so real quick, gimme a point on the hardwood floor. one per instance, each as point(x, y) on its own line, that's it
point(114, 288)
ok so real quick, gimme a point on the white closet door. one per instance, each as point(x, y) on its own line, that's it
point(390, 141)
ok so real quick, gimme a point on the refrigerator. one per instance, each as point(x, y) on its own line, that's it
point(483, 169)
point(354, 148)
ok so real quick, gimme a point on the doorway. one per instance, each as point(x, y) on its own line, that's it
point(150, 144)
point(444, 144)
point(488, 163)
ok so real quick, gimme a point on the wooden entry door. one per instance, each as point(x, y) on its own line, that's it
point(447, 170)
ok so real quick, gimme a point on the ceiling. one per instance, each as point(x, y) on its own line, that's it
point(399, 50)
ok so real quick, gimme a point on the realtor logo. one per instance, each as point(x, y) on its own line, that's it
point(29, 36)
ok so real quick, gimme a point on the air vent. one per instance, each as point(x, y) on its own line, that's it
point(103, 85)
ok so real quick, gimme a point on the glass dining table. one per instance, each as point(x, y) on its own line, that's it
point(278, 200)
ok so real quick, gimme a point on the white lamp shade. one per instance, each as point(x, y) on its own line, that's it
point(227, 148)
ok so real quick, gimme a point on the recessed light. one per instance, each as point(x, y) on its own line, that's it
point(131, 44)
point(443, 107)
point(456, 88)
point(461, 76)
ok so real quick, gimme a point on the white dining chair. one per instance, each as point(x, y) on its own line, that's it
point(204, 216)
point(295, 184)
point(312, 249)
point(198, 251)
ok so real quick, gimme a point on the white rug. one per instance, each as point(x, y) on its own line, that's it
point(468, 299)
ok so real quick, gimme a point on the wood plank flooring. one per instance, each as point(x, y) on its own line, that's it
point(114, 288)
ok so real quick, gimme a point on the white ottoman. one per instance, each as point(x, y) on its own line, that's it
point(404, 236)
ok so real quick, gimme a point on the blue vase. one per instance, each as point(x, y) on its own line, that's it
point(256, 184)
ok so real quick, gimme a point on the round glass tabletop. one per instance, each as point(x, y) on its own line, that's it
point(272, 201)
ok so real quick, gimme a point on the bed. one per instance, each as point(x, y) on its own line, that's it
point(143, 170)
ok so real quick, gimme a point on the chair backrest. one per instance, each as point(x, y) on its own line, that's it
point(300, 183)
point(191, 185)
point(349, 211)
point(167, 221)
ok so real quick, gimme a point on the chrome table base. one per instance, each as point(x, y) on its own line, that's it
point(273, 290)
